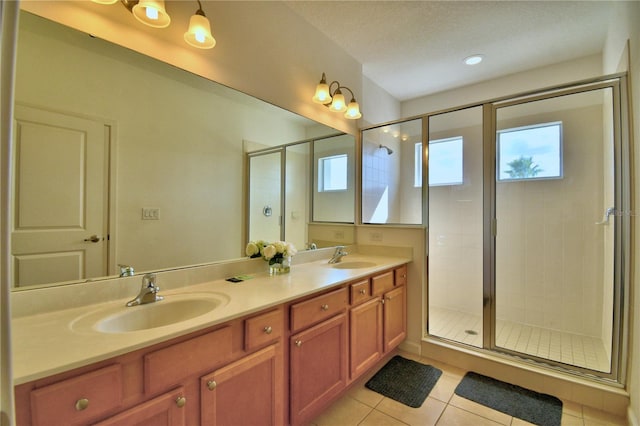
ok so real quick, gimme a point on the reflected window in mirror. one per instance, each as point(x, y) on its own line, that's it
point(390, 193)
point(334, 179)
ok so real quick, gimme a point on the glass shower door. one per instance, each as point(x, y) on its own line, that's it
point(455, 220)
point(554, 241)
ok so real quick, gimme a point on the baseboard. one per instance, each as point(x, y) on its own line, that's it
point(631, 417)
point(411, 347)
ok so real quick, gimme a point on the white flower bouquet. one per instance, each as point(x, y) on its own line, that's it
point(274, 252)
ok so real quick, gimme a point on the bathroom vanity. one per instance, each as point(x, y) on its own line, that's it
point(274, 350)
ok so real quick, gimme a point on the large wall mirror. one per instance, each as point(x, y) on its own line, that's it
point(122, 159)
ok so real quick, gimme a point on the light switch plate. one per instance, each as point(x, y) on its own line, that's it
point(150, 213)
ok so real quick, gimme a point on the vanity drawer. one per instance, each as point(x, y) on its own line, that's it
point(167, 367)
point(319, 308)
point(263, 329)
point(401, 275)
point(79, 399)
point(382, 283)
point(360, 291)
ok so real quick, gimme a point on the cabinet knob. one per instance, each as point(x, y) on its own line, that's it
point(382, 301)
point(325, 307)
point(268, 329)
point(82, 404)
point(363, 291)
point(298, 343)
point(211, 385)
point(181, 401)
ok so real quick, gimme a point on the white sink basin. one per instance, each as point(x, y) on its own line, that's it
point(354, 265)
point(172, 310)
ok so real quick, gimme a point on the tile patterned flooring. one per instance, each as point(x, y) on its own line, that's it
point(363, 407)
point(568, 348)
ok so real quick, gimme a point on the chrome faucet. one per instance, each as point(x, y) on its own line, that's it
point(126, 271)
point(148, 292)
point(338, 255)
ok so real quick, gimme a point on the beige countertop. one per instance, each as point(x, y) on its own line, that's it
point(49, 343)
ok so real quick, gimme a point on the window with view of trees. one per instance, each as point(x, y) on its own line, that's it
point(530, 152)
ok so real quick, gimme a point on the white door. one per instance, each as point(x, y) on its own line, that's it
point(60, 197)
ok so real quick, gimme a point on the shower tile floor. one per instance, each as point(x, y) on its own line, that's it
point(363, 407)
point(568, 348)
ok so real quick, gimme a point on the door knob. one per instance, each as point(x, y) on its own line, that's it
point(92, 239)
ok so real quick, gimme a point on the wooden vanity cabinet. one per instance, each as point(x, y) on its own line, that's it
point(378, 325)
point(161, 385)
point(280, 366)
point(165, 410)
point(318, 353)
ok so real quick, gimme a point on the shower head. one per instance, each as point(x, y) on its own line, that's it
point(389, 150)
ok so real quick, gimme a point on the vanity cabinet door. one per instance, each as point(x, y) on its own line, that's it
point(165, 410)
point(318, 362)
point(247, 392)
point(366, 336)
point(395, 317)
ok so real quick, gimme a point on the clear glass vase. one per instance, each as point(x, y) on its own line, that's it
point(281, 266)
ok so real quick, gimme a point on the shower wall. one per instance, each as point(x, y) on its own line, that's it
point(549, 254)
point(455, 230)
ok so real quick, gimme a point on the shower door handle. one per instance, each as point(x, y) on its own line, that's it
point(610, 211)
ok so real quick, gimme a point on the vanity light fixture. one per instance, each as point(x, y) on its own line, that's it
point(199, 33)
point(336, 101)
point(154, 14)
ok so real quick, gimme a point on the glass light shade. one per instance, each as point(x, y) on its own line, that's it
point(338, 104)
point(199, 33)
point(105, 1)
point(353, 110)
point(322, 95)
point(152, 13)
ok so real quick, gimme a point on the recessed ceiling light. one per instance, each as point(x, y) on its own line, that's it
point(473, 59)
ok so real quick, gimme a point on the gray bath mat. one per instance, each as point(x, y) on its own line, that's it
point(537, 408)
point(405, 381)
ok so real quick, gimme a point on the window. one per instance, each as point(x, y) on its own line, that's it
point(531, 152)
point(332, 173)
point(445, 162)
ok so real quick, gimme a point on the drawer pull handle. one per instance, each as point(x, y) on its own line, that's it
point(211, 385)
point(82, 404)
point(325, 307)
point(363, 291)
point(181, 401)
point(298, 343)
point(268, 329)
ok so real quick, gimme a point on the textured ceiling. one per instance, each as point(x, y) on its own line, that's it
point(415, 48)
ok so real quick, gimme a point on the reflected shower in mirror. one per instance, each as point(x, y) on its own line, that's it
point(162, 150)
point(392, 174)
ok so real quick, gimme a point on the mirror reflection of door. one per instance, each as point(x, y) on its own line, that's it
point(265, 196)
point(60, 202)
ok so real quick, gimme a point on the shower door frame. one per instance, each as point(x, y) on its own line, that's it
point(622, 247)
point(622, 222)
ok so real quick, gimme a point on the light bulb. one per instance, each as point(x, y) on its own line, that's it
point(152, 13)
point(338, 104)
point(353, 110)
point(322, 95)
point(199, 32)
